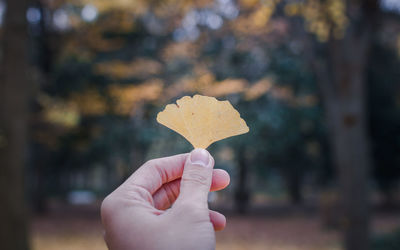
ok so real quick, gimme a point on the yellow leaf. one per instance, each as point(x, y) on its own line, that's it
point(202, 120)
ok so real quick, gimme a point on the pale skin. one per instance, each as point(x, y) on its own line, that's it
point(163, 205)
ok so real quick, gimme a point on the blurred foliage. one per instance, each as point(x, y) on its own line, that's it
point(107, 67)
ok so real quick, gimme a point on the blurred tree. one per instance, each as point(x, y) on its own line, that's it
point(342, 82)
point(384, 119)
point(14, 102)
point(42, 56)
point(242, 191)
point(340, 63)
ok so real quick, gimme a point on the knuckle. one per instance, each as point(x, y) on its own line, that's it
point(197, 178)
point(107, 206)
point(139, 193)
point(191, 209)
point(188, 207)
point(151, 162)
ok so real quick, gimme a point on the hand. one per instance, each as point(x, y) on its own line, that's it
point(163, 205)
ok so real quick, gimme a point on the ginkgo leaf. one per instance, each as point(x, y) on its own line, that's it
point(202, 120)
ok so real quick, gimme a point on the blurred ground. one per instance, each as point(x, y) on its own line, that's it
point(79, 228)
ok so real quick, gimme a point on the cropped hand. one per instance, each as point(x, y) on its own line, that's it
point(163, 205)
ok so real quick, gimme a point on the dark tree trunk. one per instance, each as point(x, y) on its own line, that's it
point(39, 180)
point(342, 82)
point(40, 160)
point(350, 150)
point(242, 195)
point(294, 188)
point(13, 128)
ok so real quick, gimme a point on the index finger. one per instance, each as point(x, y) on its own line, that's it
point(154, 173)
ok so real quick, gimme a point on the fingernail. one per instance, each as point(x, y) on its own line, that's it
point(200, 156)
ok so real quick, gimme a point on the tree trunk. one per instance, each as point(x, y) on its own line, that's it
point(242, 196)
point(349, 144)
point(41, 160)
point(343, 84)
point(293, 182)
point(38, 183)
point(13, 128)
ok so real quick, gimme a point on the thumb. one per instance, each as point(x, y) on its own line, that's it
point(196, 178)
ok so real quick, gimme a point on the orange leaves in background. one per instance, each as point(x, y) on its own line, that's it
point(207, 85)
point(89, 102)
point(138, 7)
point(181, 50)
point(163, 8)
point(125, 101)
point(322, 17)
point(204, 82)
point(57, 116)
point(261, 17)
point(127, 97)
point(256, 21)
point(202, 120)
point(226, 87)
point(59, 112)
point(258, 89)
point(139, 68)
point(248, 3)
